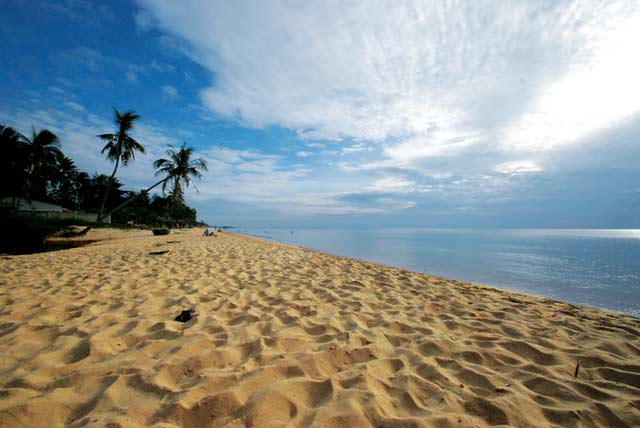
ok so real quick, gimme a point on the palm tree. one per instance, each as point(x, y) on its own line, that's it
point(178, 169)
point(8, 135)
point(120, 147)
point(12, 162)
point(42, 155)
point(64, 189)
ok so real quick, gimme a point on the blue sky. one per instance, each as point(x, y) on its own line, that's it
point(349, 113)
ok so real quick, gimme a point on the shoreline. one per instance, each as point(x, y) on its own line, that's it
point(445, 278)
point(274, 241)
point(291, 337)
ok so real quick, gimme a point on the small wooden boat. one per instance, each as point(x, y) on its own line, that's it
point(160, 232)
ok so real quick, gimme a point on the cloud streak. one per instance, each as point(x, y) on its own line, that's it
point(424, 78)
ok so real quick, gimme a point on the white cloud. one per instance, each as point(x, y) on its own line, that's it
point(360, 147)
point(518, 167)
point(75, 106)
point(303, 154)
point(84, 56)
point(170, 93)
point(393, 185)
point(316, 145)
point(445, 143)
point(133, 71)
point(252, 177)
point(593, 95)
point(425, 79)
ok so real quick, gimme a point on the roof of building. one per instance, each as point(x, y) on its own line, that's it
point(33, 206)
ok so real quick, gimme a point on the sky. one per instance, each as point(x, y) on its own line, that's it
point(348, 113)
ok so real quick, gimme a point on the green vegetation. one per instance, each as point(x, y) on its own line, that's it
point(157, 210)
point(178, 170)
point(35, 168)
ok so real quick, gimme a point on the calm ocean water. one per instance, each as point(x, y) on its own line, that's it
point(595, 267)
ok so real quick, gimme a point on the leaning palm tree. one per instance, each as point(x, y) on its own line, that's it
point(178, 170)
point(42, 155)
point(120, 147)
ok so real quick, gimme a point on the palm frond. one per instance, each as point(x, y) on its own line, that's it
point(121, 145)
point(107, 137)
point(135, 145)
point(108, 146)
point(160, 163)
point(180, 168)
point(200, 163)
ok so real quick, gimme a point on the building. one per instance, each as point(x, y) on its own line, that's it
point(48, 210)
point(36, 207)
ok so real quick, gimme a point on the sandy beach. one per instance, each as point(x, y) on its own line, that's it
point(288, 337)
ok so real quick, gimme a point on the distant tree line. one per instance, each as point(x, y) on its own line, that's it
point(35, 168)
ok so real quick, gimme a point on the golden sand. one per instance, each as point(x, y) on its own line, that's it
point(287, 337)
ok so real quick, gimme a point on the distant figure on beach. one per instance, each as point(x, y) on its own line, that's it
point(207, 232)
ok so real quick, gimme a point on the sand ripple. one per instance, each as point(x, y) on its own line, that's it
point(287, 337)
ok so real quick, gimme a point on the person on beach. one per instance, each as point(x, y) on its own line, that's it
point(207, 232)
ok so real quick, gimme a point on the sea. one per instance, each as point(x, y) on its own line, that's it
point(594, 267)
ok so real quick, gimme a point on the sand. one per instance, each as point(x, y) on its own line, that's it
point(287, 337)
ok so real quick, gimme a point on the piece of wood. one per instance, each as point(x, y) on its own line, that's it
point(157, 253)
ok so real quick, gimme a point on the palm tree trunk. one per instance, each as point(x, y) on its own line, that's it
point(106, 193)
point(21, 193)
point(127, 202)
point(23, 189)
point(145, 191)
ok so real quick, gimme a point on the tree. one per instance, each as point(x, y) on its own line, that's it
point(91, 192)
point(84, 190)
point(64, 183)
point(155, 211)
point(12, 163)
point(140, 211)
point(120, 147)
point(179, 168)
point(42, 155)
